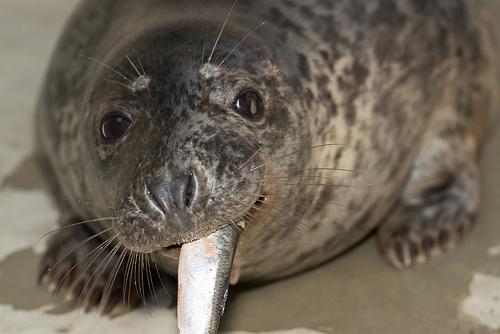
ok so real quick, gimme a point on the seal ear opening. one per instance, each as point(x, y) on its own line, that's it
point(204, 270)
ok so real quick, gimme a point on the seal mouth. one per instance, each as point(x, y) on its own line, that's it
point(172, 252)
point(250, 216)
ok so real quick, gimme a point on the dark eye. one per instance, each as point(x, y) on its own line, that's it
point(114, 125)
point(250, 105)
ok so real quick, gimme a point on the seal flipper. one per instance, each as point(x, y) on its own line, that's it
point(439, 203)
point(77, 270)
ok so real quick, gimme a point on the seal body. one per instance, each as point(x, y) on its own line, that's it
point(360, 109)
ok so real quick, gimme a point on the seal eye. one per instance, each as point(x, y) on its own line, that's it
point(114, 125)
point(250, 105)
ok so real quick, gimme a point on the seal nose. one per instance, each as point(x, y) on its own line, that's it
point(178, 193)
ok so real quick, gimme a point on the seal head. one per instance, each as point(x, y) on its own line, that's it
point(171, 135)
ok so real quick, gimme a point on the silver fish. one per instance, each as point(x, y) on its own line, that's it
point(204, 271)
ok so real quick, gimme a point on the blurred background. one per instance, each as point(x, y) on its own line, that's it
point(357, 293)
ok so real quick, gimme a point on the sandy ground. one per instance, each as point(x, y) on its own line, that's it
point(358, 293)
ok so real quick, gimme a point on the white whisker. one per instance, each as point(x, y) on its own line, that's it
point(222, 30)
point(241, 42)
point(124, 77)
point(133, 65)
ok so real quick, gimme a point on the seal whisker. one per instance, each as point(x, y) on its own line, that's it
point(78, 245)
point(222, 30)
point(118, 83)
point(124, 77)
point(292, 153)
point(145, 281)
point(232, 222)
point(320, 205)
point(138, 270)
point(104, 264)
point(133, 65)
point(140, 283)
point(286, 193)
point(125, 260)
point(141, 279)
point(272, 215)
point(94, 293)
point(241, 42)
point(251, 157)
point(228, 64)
point(127, 282)
point(141, 66)
point(250, 218)
point(76, 224)
point(203, 48)
point(134, 274)
point(149, 278)
point(289, 177)
point(115, 201)
point(253, 206)
point(102, 245)
point(339, 185)
point(316, 169)
point(137, 280)
point(282, 211)
point(286, 212)
point(159, 276)
point(166, 265)
point(101, 248)
point(111, 281)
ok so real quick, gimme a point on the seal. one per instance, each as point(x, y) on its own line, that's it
point(312, 122)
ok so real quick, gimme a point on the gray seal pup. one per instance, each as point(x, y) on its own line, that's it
point(312, 123)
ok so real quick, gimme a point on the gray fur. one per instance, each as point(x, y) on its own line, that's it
point(380, 79)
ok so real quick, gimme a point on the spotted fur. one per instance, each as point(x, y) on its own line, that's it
point(355, 93)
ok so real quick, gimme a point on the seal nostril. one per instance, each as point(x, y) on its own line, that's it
point(191, 187)
point(159, 196)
